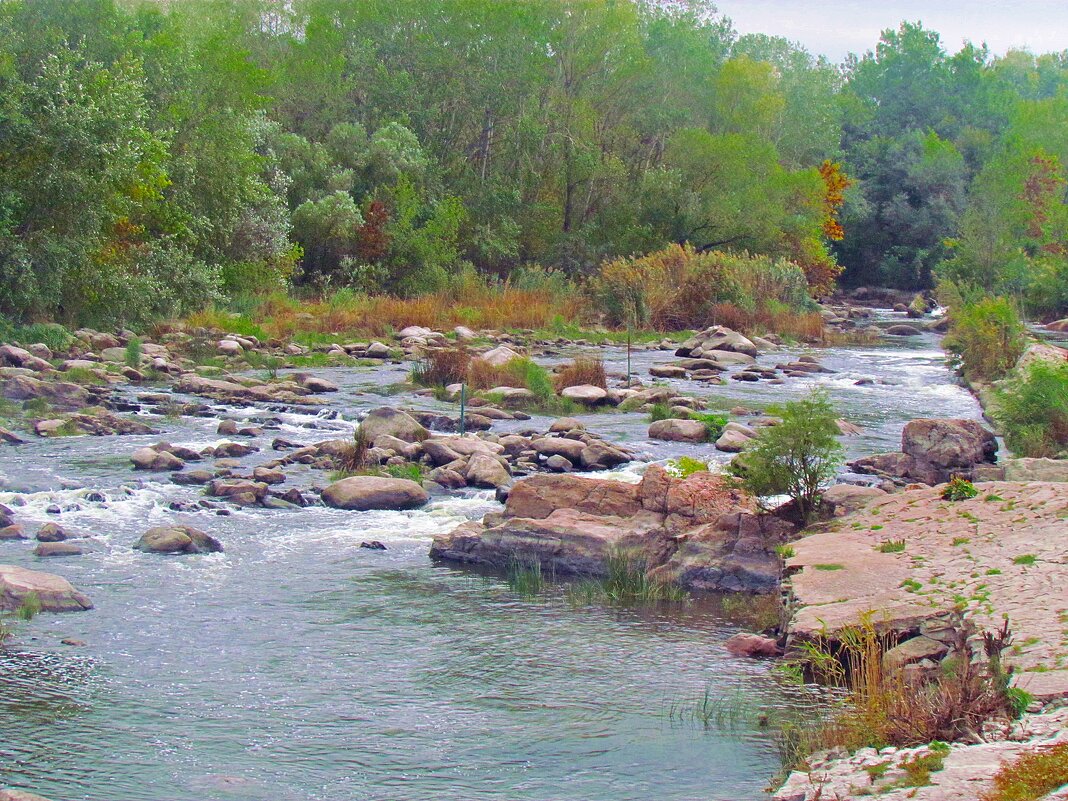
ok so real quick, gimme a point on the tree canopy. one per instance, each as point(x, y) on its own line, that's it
point(157, 157)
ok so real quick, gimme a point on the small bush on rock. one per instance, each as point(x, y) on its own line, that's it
point(959, 489)
point(797, 457)
point(686, 466)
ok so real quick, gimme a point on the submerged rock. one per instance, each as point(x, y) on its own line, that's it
point(746, 644)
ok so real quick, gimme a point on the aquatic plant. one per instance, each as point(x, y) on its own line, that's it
point(626, 582)
point(27, 610)
point(525, 576)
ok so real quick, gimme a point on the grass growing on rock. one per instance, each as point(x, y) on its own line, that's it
point(1032, 776)
point(580, 372)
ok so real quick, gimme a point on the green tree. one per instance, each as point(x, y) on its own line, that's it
point(798, 457)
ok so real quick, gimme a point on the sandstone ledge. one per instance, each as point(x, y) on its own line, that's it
point(1004, 552)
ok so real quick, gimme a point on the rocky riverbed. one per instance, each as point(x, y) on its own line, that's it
point(194, 506)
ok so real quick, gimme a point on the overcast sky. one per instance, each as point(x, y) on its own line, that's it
point(836, 27)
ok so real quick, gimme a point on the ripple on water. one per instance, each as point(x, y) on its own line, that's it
point(297, 666)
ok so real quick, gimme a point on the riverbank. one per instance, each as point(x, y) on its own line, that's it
point(410, 638)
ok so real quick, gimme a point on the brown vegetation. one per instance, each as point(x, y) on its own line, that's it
point(583, 370)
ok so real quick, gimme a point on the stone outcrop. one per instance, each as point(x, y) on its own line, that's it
point(699, 532)
point(716, 338)
point(54, 592)
point(933, 451)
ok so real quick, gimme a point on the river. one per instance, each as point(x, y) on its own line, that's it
point(296, 665)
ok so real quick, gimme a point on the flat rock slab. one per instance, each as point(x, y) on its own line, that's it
point(55, 593)
point(1004, 552)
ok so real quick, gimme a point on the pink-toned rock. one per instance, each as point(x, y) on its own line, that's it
point(752, 645)
point(55, 593)
point(538, 496)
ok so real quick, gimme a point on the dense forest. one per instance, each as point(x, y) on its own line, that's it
point(158, 158)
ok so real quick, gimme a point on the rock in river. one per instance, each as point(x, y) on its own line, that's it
point(177, 539)
point(393, 422)
point(54, 592)
point(363, 493)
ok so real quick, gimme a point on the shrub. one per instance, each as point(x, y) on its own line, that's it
point(985, 338)
point(882, 708)
point(679, 287)
point(1032, 410)
point(686, 466)
point(661, 411)
point(714, 424)
point(959, 489)
point(796, 457)
point(442, 367)
point(55, 336)
point(583, 370)
point(133, 353)
point(355, 456)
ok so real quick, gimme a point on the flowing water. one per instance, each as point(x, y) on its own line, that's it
point(296, 665)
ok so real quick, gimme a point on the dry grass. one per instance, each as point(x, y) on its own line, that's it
point(443, 367)
point(348, 312)
point(581, 371)
point(807, 327)
point(1031, 776)
point(882, 708)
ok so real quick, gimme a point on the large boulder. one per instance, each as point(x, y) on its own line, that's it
point(177, 539)
point(586, 394)
point(1041, 352)
point(1061, 326)
point(717, 338)
point(499, 356)
point(540, 495)
point(393, 422)
point(949, 443)
point(843, 499)
point(567, 541)
point(155, 461)
point(54, 593)
point(933, 451)
point(736, 553)
point(363, 493)
point(1036, 470)
point(678, 431)
point(573, 525)
point(570, 449)
point(486, 471)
